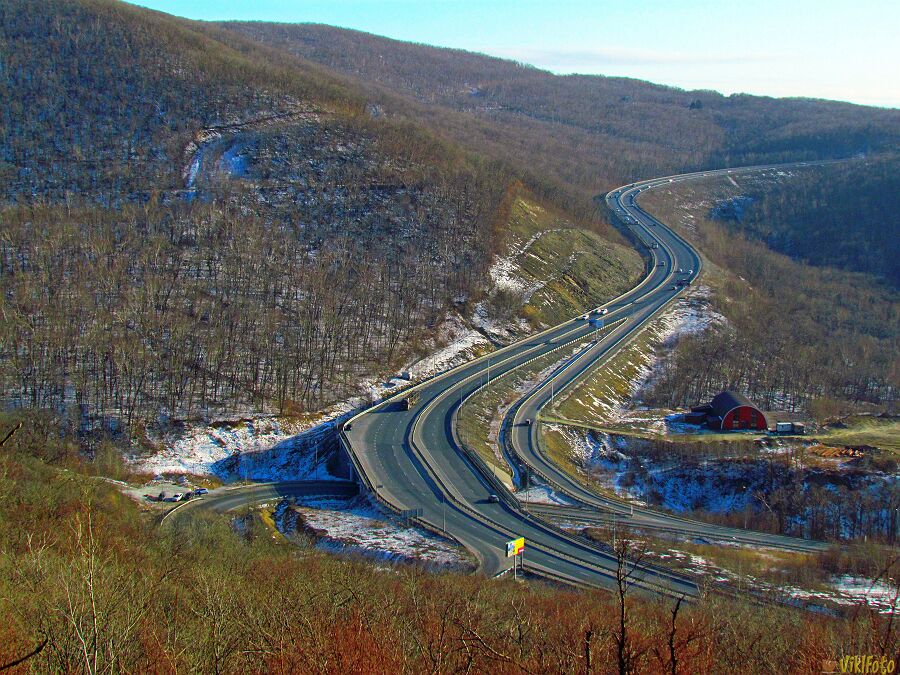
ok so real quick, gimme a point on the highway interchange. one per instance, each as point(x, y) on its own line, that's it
point(413, 462)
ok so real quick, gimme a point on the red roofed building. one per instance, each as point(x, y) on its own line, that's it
point(731, 411)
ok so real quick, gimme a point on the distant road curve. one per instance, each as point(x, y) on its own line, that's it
point(231, 498)
point(523, 440)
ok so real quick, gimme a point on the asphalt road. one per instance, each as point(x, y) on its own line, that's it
point(225, 499)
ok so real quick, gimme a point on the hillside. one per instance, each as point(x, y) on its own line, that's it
point(239, 231)
point(808, 337)
point(836, 215)
point(585, 133)
point(192, 228)
point(98, 588)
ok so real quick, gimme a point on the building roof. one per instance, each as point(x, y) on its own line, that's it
point(727, 401)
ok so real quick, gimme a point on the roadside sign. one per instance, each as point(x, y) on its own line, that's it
point(515, 547)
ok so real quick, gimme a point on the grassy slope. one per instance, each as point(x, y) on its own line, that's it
point(574, 268)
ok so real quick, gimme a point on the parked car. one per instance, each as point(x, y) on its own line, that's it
point(201, 491)
point(177, 497)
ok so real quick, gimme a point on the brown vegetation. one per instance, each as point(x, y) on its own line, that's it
point(102, 590)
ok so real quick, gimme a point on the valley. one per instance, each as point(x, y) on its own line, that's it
point(328, 352)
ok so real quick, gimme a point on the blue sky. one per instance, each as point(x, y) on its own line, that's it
point(838, 49)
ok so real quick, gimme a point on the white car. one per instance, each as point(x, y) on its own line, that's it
point(604, 311)
point(177, 497)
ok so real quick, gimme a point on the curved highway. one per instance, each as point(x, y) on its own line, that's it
point(226, 499)
point(523, 440)
point(412, 461)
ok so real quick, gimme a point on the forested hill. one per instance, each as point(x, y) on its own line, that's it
point(195, 225)
point(844, 215)
point(595, 132)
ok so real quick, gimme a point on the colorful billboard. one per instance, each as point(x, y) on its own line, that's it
point(515, 547)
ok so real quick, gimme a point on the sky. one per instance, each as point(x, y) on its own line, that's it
point(836, 49)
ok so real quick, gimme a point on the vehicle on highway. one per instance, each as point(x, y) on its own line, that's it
point(408, 402)
point(493, 499)
point(585, 317)
point(690, 271)
point(674, 287)
point(680, 271)
point(527, 422)
point(662, 263)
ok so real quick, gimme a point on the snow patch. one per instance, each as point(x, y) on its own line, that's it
point(358, 526)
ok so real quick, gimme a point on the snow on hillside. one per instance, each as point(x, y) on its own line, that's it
point(542, 494)
point(360, 527)
point(262, 448)
point(460, 344)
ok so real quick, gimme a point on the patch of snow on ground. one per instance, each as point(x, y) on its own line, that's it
point(263, 448)
point(504, 270)
point(844, 590)
point(877, 594)
point(542, 494)
point(358, 526)
point(461, 343)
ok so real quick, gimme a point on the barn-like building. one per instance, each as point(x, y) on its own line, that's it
point(729, 411)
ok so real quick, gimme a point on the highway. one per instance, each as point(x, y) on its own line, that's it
point(412, 461)
point(523, 442)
